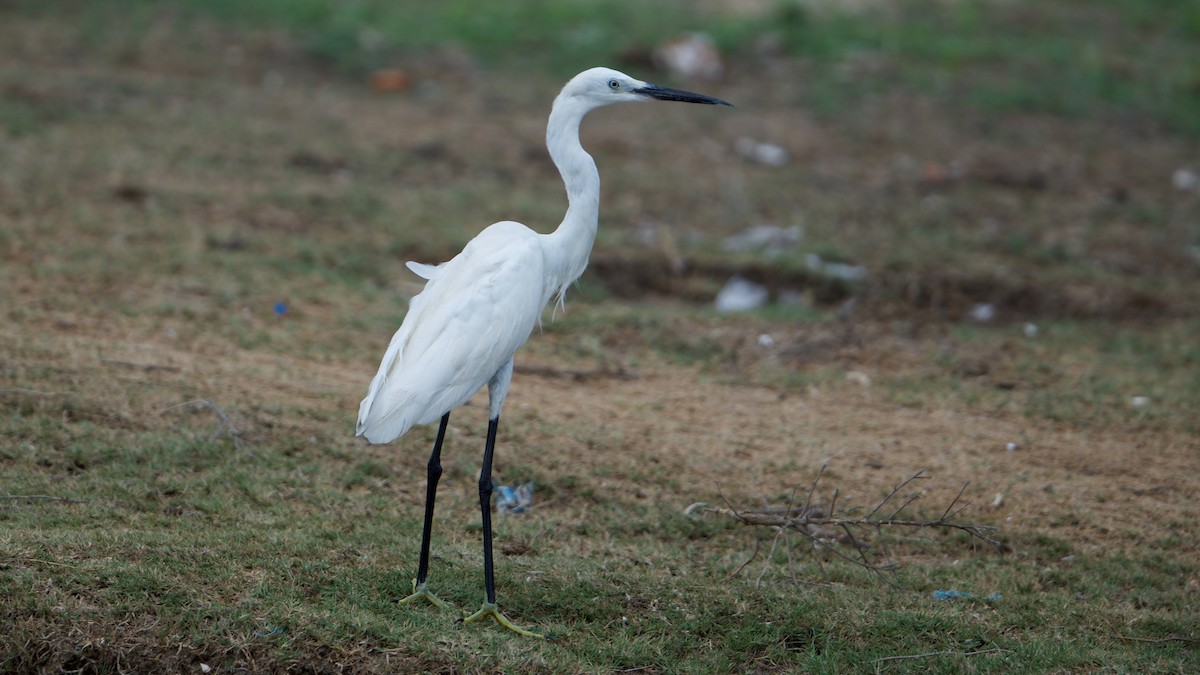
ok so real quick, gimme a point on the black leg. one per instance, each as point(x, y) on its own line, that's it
point(489, 608)
point(433, 474)
point(485, 506)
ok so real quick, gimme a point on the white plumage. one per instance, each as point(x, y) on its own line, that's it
point(478, 308)
point(474, 313)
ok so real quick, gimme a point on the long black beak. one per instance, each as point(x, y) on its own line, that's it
point(668, 94)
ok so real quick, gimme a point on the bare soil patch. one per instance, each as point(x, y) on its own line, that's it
point(184, 229)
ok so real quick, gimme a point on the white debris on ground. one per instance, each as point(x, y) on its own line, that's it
point(983, 312)
point(514, 500)
point(771, 238)
point(835, 270)
point(691, 56)
point(1193, 252)
point(791, 298)
point(647, 233)
point(1186, 180)
point(766, 341)
point(858, 377)
point(845, 272)
point(767, 154)
point(740, 295)
point(1030, 330)
point(658, 237)
point(1139, 402)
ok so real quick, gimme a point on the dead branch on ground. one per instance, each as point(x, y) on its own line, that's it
point(30, 392)
point(927, 655)
point(1158, 641)
point(43, 498)
point(602, 372)
point(842, 534)
point(225, 428)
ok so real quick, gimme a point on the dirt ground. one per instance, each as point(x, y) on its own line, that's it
point(675, 433)
point(666, 434)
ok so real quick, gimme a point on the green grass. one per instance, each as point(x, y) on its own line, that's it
point(372, 33)
point(1108, 60)
point(157, 200)
point(1066, 58)
point(273, 554)
point(1075, 373)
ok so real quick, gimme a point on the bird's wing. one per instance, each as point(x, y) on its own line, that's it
point(472, 315)
point(422, 270)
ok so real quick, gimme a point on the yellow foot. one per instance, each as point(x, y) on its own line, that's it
point(419, 591)
point(489, 609)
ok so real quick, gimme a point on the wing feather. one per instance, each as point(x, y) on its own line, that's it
point(473, 314)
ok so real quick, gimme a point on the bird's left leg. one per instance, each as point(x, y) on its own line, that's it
point(433, 473)
point(497, 389)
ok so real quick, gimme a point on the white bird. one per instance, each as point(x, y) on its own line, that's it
point(479, 307)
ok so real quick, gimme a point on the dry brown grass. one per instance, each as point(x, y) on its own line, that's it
point(76, 334)
point(157, 209)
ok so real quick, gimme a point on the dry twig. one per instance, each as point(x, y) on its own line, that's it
point(43, 498)
point(826, 529)
point(226, 427)
point(1157, 641)
point(44, 562)
point(604, 371)
point(30, 392)
point(909, 657)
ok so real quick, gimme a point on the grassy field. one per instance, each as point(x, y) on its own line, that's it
point(204, 217)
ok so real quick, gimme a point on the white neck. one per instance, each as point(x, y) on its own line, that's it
point(566, 250)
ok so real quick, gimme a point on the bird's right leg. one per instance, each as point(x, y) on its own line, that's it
point(489, 608)
point(433, 473)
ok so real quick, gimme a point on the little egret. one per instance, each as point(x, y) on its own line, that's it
point(476, 309)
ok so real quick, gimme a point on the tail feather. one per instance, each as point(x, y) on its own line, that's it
point(391, 419)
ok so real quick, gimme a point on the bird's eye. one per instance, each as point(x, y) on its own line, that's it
point(614, 84)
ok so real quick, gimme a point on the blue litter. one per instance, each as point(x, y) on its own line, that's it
point(514, 500)
point(960, 595)
point(275, 630)
point(280, 308)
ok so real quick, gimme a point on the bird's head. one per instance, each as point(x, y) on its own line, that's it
point(604, 86)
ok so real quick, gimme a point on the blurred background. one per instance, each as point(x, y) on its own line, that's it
point(969, 225)
point(971, 162)
point(1035, 157)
